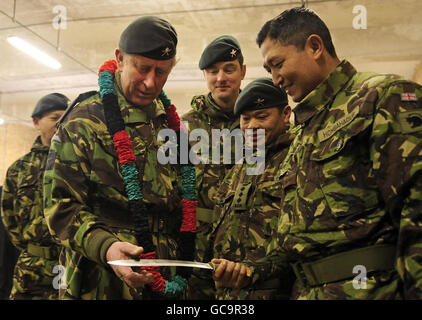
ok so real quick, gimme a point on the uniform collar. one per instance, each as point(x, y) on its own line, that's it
point(215, 111)
point(132, 113)
point(38, 146)
point(281, 142)
point(320, 97)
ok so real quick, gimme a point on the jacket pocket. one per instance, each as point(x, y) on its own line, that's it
point(341, 168)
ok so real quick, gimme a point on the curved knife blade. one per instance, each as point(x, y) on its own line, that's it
point(161, 263)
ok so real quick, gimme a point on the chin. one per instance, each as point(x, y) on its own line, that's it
point(142, 102)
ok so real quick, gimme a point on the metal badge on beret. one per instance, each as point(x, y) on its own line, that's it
point(223, 48)
point(260, 94)
point(50, 102)
point(151, 37)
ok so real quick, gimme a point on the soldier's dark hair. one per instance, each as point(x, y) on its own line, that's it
point(240, 59)
point(294, 26)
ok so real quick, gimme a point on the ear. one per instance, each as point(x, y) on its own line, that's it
point(315, 46)
point(119, 58)
point(243, 71)
point(287, 111)
point(36, 122)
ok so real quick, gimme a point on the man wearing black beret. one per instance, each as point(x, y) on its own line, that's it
point(106, 195)
point(22, 208)
point(249, 205)
point(223, 68)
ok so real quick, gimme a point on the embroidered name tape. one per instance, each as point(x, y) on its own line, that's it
point(327, 132)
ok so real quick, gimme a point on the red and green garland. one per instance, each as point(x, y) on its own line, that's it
point(133, 186)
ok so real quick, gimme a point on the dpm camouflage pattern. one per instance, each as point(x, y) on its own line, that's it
point(207, 115)
point(249, 207)
point(86, 206)
point(22, 214)
point(352, 179)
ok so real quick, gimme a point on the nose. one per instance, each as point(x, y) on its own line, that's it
point(277, 79)
point(252, 124)
point(221, 76)
point(149, 80)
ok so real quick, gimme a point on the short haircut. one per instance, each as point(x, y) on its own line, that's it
point(294, 26)
point(240, 59)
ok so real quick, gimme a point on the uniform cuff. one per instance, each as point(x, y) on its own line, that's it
point(98, 244)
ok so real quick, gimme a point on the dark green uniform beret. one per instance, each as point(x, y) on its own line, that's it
point(50, 102)
point(223, 48)
point(260, 94)
point(151, 37)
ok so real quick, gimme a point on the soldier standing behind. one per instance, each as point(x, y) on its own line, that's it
point(223, 68)
point(249, 205)
point(352, 181)
point(22, 208)
point(8, 256)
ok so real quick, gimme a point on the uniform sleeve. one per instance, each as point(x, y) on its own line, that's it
point(275, 262)
point(66, 194)
point(11, 209)
point(396, 152)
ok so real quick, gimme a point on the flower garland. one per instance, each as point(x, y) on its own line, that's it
point(133, 187)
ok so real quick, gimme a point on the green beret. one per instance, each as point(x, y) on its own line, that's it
point(50, 102)
point(223, 48)
point(260, 94)
point(151, 37)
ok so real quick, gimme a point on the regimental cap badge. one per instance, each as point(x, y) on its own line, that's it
point(166, 51)
point(233, 53)
point(259, 102)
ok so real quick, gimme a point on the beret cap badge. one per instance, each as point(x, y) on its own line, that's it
point(259, 102)
point(166, 51)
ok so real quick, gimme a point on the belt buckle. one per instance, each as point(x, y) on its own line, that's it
point(300, 273)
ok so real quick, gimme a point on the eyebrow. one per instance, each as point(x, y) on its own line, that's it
point(254, 113)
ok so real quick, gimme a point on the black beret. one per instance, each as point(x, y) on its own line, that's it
point(151, 37)
point(223, 48)
point(50, 102)
point(260, 94)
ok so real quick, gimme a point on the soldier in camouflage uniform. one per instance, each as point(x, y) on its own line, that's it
point(22, 208)
point(223, 68)
point(86, 205)
point(249, 204)
point(352, 181)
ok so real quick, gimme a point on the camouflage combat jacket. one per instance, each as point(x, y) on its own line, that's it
point(352, 186)
point(207, 115)
point(86, 205)
point(22, 214)
point(249, 207)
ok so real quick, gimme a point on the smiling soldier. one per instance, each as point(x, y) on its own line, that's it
point(223, 68)
point(249, 205)
point(352, 180)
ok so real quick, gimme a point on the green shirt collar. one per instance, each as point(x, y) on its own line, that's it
point(38, 146)
point(132, 113)
point(215, 111)
point(324, 93)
